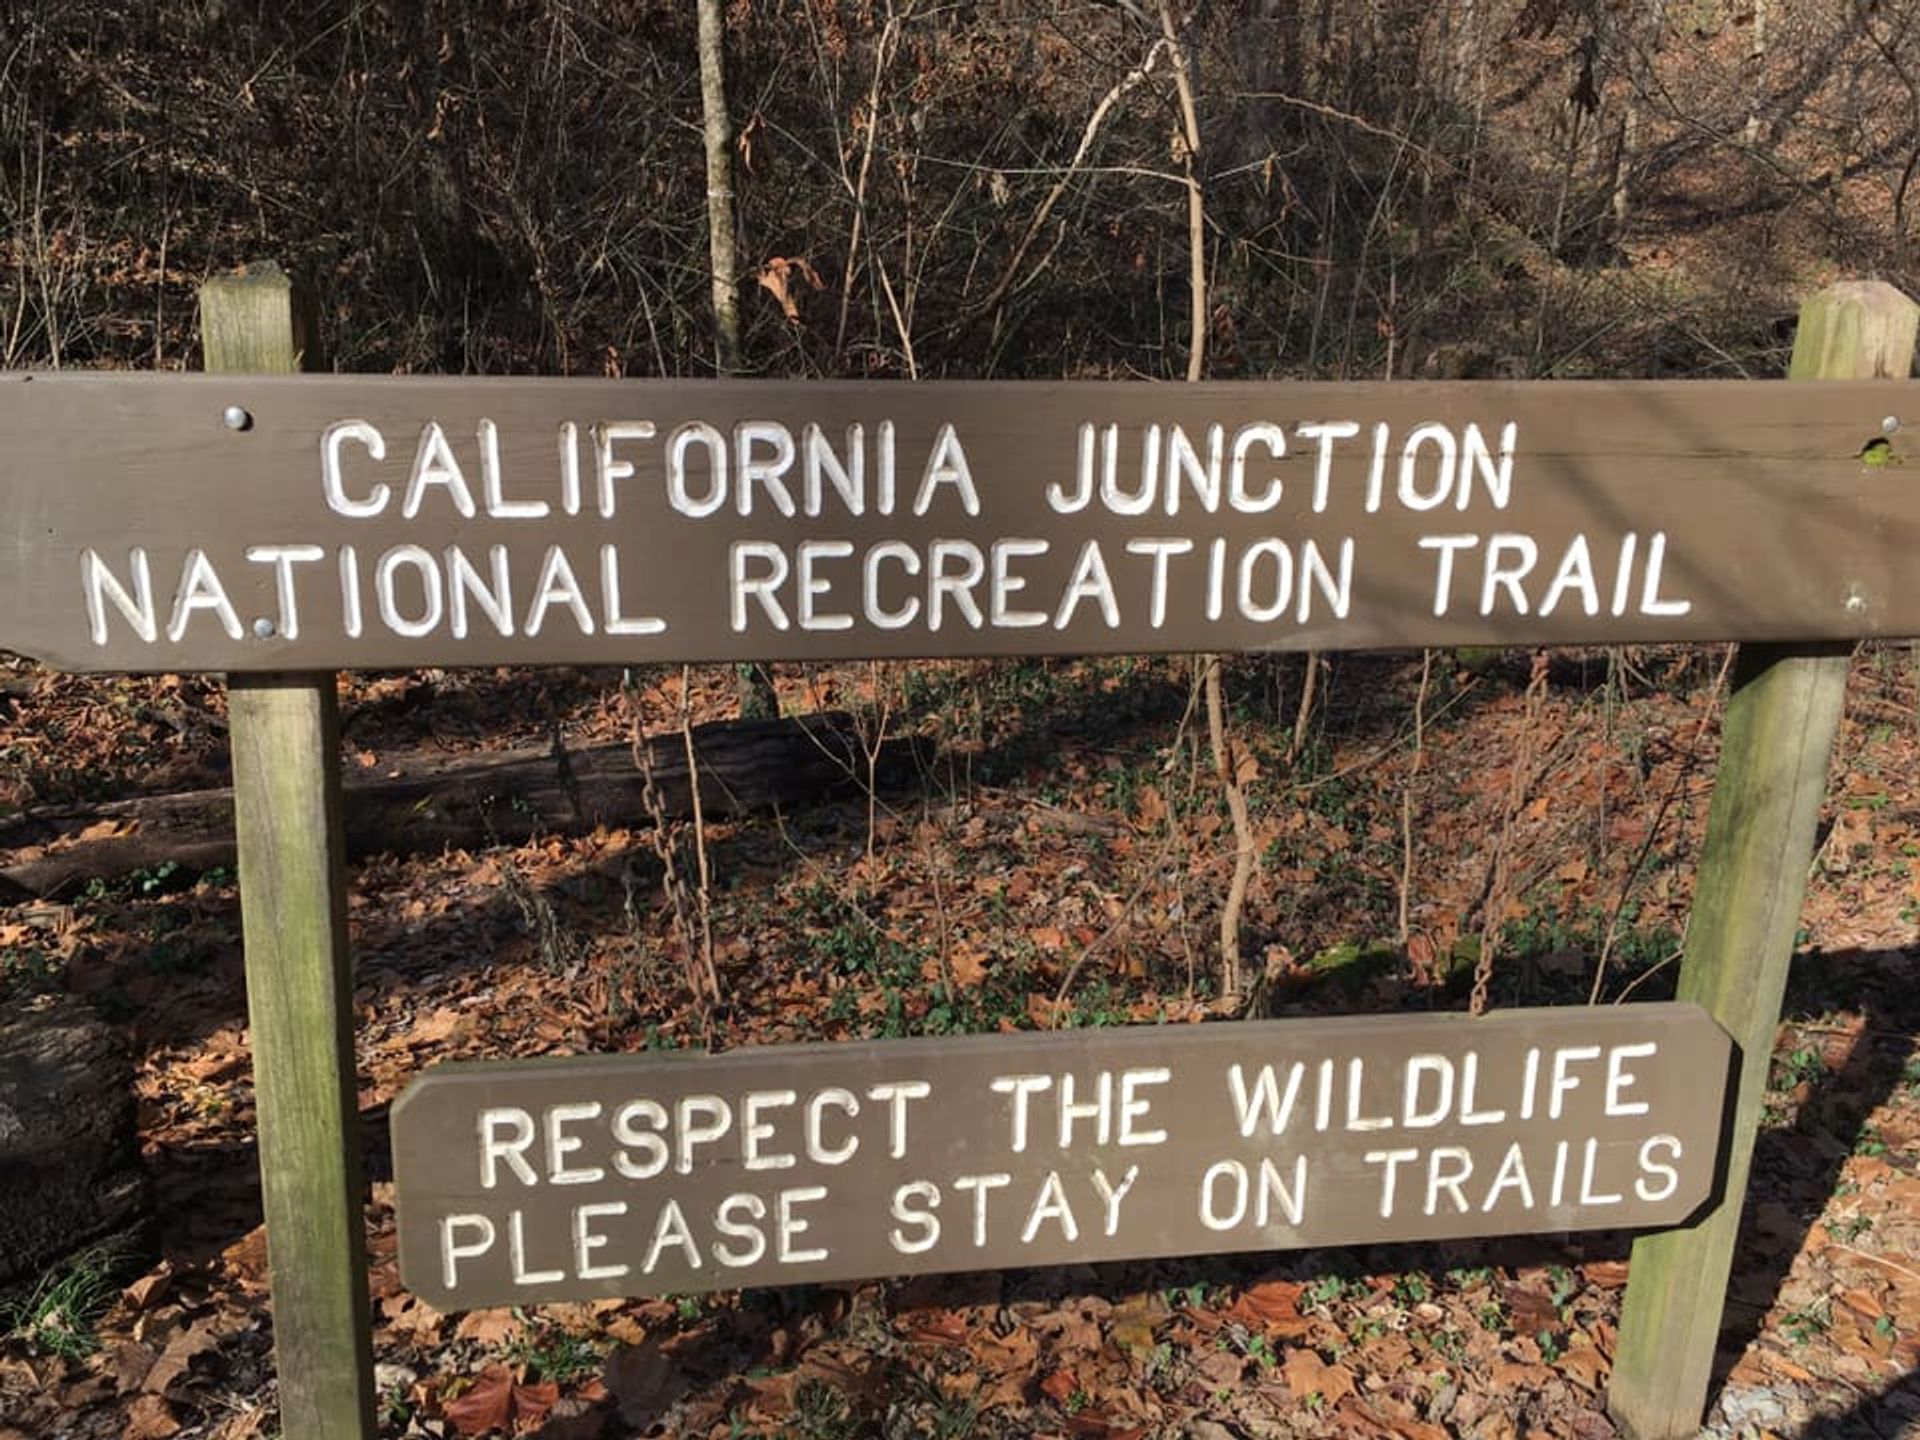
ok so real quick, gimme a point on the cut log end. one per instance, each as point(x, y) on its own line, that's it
point(69, 1162)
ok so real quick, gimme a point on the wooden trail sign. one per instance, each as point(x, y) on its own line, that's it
point(284, 527)
point(247, 523)
point(574, 1178)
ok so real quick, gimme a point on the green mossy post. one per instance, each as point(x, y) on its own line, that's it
point(287, 822)
point(1776, 743)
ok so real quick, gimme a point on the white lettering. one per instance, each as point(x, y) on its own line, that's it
point(766, 470)
point(101, 583)
point(283, 558)
point(586, 1240)
point(338, 501)
point(895, 1094)
point(491, 485)
point(812, 586)
point(1244, 439)
point(1051, 1204)
point(683, 439)
point(947, 465)
point(557, 582)
point(606, 469)
point(434, 463)
point(928, 1196)
point(1393, 1160)
point(560, 1144)
point(432, 602)
point(512, 1148)
point(1005, 584)
point(464, 582)
point(1090, 581)
point(817, 1148)
point(200, 589)
point(452, 1252)
point(791, 1226)
point(732, 1229)
point(1443, 572)
point(943, 585)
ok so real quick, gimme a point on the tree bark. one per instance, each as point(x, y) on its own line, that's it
point(744, 766)
point(753, 682)
point(717, 130)
point(69, 1167)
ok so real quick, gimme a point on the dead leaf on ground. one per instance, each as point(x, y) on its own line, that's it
point(411, 1316)
point(1519, 1375)
point(969, 965)
point(1273, 1306)
point(1584, 1364)
point(244, 1426)
point(177, 1359)
point(1059, 1386)
point(1532, 1310)
point(999, 1354)
point(225, 1055)
point(1131, 1327)
point(150, 1289)
point(438, 1025)
point(933, 1326)
point(1611, 1274)
point(246, 1259)
point(531, 1403)
point(1307, 1374)
point(490, 1327)
point(770, 1397)
point(575, 1418)
point(485, 1405)
point(1221, 1367)
point(129, 1363)
point(858, 1376)
point(644, 1381)
point(150, 1418)
point(1412, 1429)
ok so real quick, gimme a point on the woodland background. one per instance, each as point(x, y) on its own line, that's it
point(1482, 188)
point(1558, 187)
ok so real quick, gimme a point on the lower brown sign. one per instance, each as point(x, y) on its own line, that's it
point(620, 1175)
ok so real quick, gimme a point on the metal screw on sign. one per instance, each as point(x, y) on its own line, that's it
point(235, 417)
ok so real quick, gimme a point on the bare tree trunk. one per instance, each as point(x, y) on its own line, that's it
point(752, 680)
point(1757, 70)
point(1640, 32)
point(717, 127)
point(1226, 763)
point(1464, 59)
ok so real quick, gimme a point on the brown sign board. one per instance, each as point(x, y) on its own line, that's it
point(170, 523)
point(522, 1182)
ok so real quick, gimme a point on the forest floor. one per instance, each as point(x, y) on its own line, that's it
point(1061, 863)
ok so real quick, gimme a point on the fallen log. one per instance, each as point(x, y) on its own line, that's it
point(743, 766)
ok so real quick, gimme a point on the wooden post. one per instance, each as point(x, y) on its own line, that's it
point(287, 825)
point(1776, 742)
